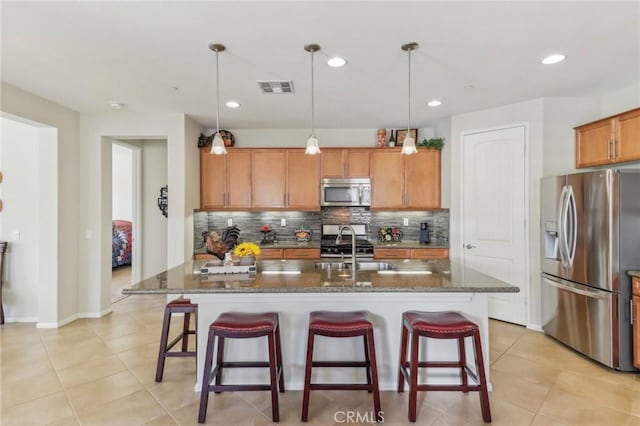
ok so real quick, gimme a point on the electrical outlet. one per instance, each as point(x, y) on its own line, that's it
point(406, 221)
point(16, 236)
point(229, 222)
point(283, 222)
point(88, 234)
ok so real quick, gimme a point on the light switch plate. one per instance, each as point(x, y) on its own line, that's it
point(229, 222)
point(406, 221)
point(15, 236)
point(283, 222)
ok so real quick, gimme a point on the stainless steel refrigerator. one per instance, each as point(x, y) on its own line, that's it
point(590, 238)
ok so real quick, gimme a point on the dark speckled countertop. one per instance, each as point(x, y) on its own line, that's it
point(634, 273)
point(302, 276)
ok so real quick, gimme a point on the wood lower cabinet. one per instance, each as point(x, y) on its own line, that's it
point(271, 253)
point(429, 253)
point(409, 182)
point(302, 253)
point(341, 162)
point(411, 253)
point(225, 180)
point(608, 141)
point(635, 284)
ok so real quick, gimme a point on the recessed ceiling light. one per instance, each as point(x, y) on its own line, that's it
point(115, 105)
point(336, 62)
point(434, 103)
point(232, 104)
point(553, 59)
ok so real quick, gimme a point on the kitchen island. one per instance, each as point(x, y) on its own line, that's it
point(294, 288)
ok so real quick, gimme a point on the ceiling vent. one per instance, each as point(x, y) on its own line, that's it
point(276, 86)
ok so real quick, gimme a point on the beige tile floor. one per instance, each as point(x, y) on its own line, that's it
point(120, 278)
point(101, 372)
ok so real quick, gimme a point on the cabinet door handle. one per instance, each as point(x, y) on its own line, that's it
point(615, 149)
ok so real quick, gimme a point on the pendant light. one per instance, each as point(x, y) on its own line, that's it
point(217, 147)
point(408, 144)
point(312, 142)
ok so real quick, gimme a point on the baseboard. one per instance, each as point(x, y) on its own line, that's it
point(96, 314)
point(20, 319)
point(57, 324)
point(535, 327)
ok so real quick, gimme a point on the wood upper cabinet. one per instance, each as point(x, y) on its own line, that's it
point(628, 136)
point(405, 181)
point(269, 178)
point(610, 140)
point(387, 179)
point(286, 179)
point(303, 181)
point(225, 180)
point(636, 321)
point(422, 180)
point(340, 162)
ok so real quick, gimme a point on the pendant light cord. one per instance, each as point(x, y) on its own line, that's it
point(313, 112)
point(409, 118)
point(217, 95)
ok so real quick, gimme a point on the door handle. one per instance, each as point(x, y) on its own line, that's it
point(469, 247)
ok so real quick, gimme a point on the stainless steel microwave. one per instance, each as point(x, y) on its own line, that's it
point(345, 192)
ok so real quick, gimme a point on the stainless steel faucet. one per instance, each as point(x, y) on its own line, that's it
point(354, 259)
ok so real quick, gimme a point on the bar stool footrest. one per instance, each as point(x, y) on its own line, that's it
point(339, 364)
point(340, 386)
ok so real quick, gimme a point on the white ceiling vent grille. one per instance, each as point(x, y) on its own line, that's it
point(276, 86)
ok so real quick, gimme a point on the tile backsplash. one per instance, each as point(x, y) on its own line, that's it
point(249, 223)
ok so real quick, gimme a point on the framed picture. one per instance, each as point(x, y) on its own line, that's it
point(402, 133)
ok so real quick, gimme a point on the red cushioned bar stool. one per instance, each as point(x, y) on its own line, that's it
point(342, 324)
point(237, 325)
point(441, 325)
point(177, 306)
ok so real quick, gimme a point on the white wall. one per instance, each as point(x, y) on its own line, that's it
point(154, 224)
point(20, 215)
point(97, 131)
point(561, 115)
point(122, 182)
point(297, 138)
point(618, 101)
point(62, 216)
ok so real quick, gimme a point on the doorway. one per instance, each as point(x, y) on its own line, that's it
point(494, 210)
point(139, 170)
point(125, 202)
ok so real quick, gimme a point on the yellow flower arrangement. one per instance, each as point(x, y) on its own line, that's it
point(247, 249)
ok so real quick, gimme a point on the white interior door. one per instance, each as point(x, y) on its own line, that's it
point(494, 226)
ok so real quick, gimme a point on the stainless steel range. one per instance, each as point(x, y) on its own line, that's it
point(329, 247)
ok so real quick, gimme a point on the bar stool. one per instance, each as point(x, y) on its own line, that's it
point(441, 325)
point(342, 324)
point(238, 325)
point(179, 305)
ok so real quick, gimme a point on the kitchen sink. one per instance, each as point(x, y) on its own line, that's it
point(330, 265)
point(362, 266)
point(373, 266)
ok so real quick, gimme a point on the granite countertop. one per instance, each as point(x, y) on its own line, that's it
point(301, 276)
point(634, 273)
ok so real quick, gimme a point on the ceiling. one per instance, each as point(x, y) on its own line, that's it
point(154, 57)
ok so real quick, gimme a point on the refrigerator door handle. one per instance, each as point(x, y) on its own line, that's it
point(584, 291)
point(562, 231)
point(573, 217)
